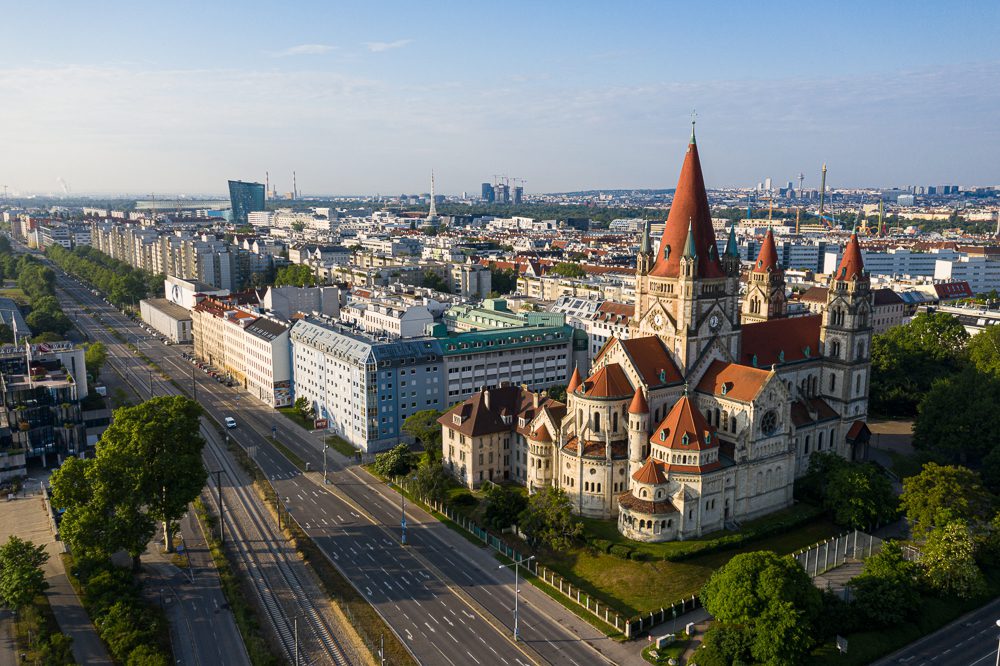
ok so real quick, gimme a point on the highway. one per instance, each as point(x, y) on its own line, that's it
point(442, 596)
point(284, 588)
point(971, 640)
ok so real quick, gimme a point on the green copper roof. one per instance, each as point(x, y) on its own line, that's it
point(689, 248)
point(732, 250)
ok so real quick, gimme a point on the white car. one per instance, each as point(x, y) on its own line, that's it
point(230, 422)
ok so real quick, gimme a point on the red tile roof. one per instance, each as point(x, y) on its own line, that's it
point(639, 404)
point(731, 380)
point(689, 208)
point(684, 422)
point(651, 473)
point(803, 411)
point(768, 339)
point(593, 449)
point(479, 419)
point(633, 503)
point(858, 430)
point(574, 381)
point(851, 265)
point(608, 382)
point(651, 358)
point(542, 434)
point(767, 260)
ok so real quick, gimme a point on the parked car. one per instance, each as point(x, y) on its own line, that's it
point(230, 422)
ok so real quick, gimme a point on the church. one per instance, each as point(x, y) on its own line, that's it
point(711, 409)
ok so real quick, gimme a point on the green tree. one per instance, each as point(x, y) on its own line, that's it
point(771, 596)
point(885, 593)
point(984, 350)
point(423, 426)
point(94, 358)
point(954, 415)
point(295, 275)
point(160, 442)
point(990, 470)
point(859, 496)
point(503, 280)
point(548, 519)
point(725, 645)
point(6, 334)
point(942, 494)
point(503, 507)
point(557, 392)
point(431, 482)
point(397, 461)
point(568, 270)
point(907, 359)
point(949, 564)
point(432, 280)
point(21, 575)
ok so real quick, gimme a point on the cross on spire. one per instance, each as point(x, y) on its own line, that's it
point(694, 116)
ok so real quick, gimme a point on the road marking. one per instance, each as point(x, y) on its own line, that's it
point(471, 657)
point(427, 624)
point(450, 636)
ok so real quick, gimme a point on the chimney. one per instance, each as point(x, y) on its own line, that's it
point(486, 398)
point(534, 400)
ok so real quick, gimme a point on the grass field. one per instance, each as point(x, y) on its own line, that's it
point(341, 446)
point(293, 415)
point(635, 587)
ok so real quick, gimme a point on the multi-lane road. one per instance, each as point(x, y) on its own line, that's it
point(445, 599)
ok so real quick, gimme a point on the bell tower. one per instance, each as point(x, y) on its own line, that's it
point(687, 296)
point(846, 336)
point(765, 298)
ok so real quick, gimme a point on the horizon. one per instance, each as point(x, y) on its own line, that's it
point(570, 97)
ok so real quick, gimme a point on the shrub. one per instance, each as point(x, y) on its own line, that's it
point(621, 551)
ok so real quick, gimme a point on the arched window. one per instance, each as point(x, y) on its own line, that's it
point(833, 382)
point(861, 350)
point(835, 349)
point(732, 424)
point(716, 417)
point(597, 422)
point(806, 450)
point(725, 420)
point(819, 441)
point(643, 493)
point(768, 480)
point(614, 422)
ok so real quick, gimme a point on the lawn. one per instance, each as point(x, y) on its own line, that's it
point(14, 293)
point(635, 587)
point(293, 415)
point(342, 446)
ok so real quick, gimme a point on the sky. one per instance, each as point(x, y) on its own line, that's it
point(369, 97)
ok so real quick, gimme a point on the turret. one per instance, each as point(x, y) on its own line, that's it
point(645, 259)
point(731, 257)
point(765, 297)
point(638, 431)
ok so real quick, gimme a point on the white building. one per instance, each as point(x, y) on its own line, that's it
point(379, 317)
point(267, 362)
point(286, 301)
point(982, 272)
point(170, 319)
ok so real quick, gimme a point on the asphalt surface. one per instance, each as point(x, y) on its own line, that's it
point(971, 640)
point(441, 595)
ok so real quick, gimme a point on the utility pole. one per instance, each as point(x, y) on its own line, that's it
point(325, 448)
point(402, 509)
point(194, 386)
point(222, 521)
point(150, 382)
point(516, 565)
point(295, 622)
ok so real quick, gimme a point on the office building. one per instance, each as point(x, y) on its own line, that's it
point(245, 198)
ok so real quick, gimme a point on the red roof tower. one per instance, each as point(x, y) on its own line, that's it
point(767, 260)
point(689, 209)
point(851, 265)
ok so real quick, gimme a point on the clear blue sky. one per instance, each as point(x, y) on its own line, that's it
point(367, 97)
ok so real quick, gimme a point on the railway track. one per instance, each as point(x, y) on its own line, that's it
point(265, 555)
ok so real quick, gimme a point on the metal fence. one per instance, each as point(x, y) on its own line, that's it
point(603, 611)
point(850, 547)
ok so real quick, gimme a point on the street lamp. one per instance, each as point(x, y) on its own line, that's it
point(325, 447)
point(998, 645)
point(516, 564)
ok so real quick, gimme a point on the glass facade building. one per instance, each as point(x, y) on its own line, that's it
point(246, 198)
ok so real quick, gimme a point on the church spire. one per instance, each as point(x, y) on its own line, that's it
point(732, 248)
point(690, 205)
point(851, 264)
point(767, 260)
point(690, 251)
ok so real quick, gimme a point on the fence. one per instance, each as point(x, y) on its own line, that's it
point(852, 546)
point(630, 627)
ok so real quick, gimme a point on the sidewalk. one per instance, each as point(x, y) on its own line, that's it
point(26, 518)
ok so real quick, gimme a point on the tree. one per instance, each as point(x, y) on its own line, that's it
point(296, 275)
point(503, 280)
point(423, 426)
point(859, 496)
point(397, 461)
point(548, 519)
point(503, 506)
point(21, 575)
point(568, 270)
point(907, 359)
point(94, 358)
point(990, 470)
point(942, 494)
point(954, 415)
point(6, 334)
point(771, 596)
point(984, 350)
point(949, 563)
point(885, 593)
point(432, 280)
point(557, 392)
point(159, 441)
point(431, 482)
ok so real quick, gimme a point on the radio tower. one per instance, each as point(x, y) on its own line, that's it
point(432, 213)
point(295, 189)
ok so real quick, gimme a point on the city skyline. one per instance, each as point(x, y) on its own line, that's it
point(362, 100)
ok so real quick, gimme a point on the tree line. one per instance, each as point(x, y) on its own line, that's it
point(121, 283)
point(147, 469)
point(38, 283)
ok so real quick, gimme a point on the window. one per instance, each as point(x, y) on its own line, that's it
point(597, 422)
point(833, 382)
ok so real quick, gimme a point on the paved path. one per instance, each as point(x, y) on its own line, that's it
point(8, 648)
point(26, 517)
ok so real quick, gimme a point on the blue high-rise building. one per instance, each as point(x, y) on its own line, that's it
point(245, 198)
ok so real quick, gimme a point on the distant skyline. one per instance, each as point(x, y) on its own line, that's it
point(367, 98)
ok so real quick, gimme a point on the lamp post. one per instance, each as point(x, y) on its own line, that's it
point(325, 447)
point(516, 565)
point(998, 645)
point(402, 509)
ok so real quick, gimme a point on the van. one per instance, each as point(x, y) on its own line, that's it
point(230, 422)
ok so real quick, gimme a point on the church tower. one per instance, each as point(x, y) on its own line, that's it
point(687, 297)
point(765, 298)
point(846, 336)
